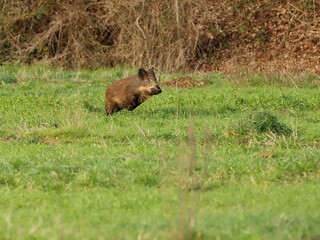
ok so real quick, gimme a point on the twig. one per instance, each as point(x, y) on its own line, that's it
point(137, 21)
point(177, 18)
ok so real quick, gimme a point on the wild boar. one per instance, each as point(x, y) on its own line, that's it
point(130, 92)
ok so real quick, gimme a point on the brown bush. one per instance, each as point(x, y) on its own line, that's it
point(178, 34)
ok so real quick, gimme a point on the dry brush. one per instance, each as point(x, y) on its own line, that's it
point(166, 34)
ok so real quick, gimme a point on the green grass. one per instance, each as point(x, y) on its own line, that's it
point(236, 159)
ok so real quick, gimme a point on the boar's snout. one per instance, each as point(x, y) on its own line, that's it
point(156, 90)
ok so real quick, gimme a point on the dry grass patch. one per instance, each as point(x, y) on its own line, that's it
point(186, 82)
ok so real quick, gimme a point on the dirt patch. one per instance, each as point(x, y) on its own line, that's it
point(186, 82)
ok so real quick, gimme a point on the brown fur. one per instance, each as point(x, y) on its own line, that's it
point(130, 92)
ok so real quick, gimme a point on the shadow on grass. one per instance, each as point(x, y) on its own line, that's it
point(92, 108)
point(180, 111)
point(7, 79)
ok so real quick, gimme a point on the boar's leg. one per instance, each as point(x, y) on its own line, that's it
point(135, 103)
point(112, 108)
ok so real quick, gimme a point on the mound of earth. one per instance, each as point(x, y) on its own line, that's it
point(186, 82)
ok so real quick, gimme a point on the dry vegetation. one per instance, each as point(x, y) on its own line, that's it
point(282, 36)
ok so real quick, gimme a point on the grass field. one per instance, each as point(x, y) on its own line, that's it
point(236, 159)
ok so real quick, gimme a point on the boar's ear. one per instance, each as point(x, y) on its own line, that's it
point(142, 72)
point(151, 72)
